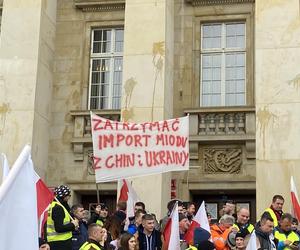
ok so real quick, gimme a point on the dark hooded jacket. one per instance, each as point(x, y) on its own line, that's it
point(265, 240)
point(154, 240)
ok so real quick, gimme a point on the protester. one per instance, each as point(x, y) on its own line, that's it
point(200, 235)
point(128, 242)
point(219, 232)
point(242, 222)
point(113, 226)
point(59, 225)
point(191, 209)
point(100, 215)
point(43, 245)
point(139, 206)
point(240, 241)
point(86, 216)
point(242, 225)
point(132, 228)
point(96, 237)
point(229, 208)
point(275, 210)
point(80, 235)
point(170, 206)
point(295, 226)
point(121, 206)
point(285, 237)
point(263, 232)
point(184, 225)
point(209, 218)
point(149, 238)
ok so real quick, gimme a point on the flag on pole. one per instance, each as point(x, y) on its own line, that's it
point(18, 197)
point(44, 199)
point(128, 194)
point(200, 220)
point(252, 242)
point(5, 167)
point(171, 231)
point(295, 200)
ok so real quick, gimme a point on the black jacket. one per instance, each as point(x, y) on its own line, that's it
point(79, 236)
point(154, 239)
point(265, 241)
point(58, 215)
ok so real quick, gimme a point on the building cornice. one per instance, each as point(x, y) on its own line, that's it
point(217, 2)
point(100, 5)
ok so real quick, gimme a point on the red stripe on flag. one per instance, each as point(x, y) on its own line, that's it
point(167, 233)
point(189, 235)
point(296, 206)
point(44, 197)
point(124, 192)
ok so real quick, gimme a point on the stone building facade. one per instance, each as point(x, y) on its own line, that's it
point(146, 60)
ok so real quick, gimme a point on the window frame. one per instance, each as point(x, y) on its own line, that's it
point(112, 55)
point(222, 51)
point(202, 16)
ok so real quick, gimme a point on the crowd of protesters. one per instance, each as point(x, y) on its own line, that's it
point(74, 228)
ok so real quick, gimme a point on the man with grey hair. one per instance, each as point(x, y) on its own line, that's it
point(219, 232)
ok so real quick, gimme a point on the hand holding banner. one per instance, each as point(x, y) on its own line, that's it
point(123, 150)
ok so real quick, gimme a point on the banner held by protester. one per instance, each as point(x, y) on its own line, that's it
point(123, 150)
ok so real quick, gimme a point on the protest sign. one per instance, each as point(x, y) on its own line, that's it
point(123, 150)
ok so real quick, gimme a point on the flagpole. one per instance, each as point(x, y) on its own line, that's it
point(98, 195)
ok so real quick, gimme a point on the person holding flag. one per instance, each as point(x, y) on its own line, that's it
point(59, 222)
point(199, 229)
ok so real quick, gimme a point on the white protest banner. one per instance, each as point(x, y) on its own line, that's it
point(123, 150)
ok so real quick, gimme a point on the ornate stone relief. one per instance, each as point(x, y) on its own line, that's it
point(100, 5)
point(216, 2)
point(225, 160)
point(90, 162)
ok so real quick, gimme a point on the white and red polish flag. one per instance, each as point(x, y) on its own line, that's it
point(44, 199)
point(252, 245)
point(200, 220)
point(5, 167)
point(171, 231)
point(128, 194)
point(295, 200)
point(19, 199)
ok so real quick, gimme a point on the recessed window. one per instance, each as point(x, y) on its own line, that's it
point(223, 64)
point(106, 67)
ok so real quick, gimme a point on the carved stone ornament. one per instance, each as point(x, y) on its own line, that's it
point(100, 5)
point(222, 160)
point(216, 2)
point(90, 162)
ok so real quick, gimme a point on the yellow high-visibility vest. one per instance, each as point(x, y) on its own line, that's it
point(292, 236)
point(52, 235)
point(273, 215)
point(250, 227)
point(87, 246)
point(100, 223)
point(191, 248)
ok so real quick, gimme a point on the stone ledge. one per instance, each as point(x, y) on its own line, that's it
point(217, 2)
point(100, 5)
point(222, 109)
